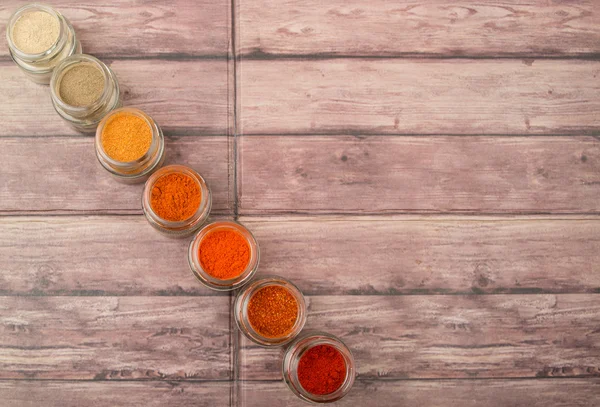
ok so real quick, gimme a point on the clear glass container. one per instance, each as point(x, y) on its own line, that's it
point(215, 283)
point(241, 311)
point(85, 118)
point(294, 353)
point(177, 228)
point(39, 67)
point(133, 171)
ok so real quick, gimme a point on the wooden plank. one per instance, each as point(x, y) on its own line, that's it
point(73, 181)
point(378, 174)
point(114, 338)
point(384, 28)
point(28, 393)
point(150, 28)
point(426, 256)
point(434, 337)
point(98, 255)
point(182, 96)
point(440, 393)
point(419, 96)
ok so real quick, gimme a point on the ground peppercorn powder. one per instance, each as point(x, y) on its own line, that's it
point(272, 311)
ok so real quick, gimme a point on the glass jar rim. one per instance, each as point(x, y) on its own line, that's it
point(215, 283)
point(147, 155)
point(245, 296)
point(175, 168)
point(29, 8)
point(79, 59)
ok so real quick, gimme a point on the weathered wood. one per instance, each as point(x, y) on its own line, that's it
point(379, 174)
point(114, 338)
point(99, 255)
point(28, 393)
point(385, 28)
point(433, 337)
point(150, 28)
point(406, 256)
point(397, 96)
point(446, 393)
point(182, 96)
point(62, 175)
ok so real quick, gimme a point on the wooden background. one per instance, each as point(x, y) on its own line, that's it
point(428, 173)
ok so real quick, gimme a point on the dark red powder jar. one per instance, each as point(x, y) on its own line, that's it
point(319, 367)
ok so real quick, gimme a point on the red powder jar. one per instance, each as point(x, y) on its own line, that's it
point(183, 227)
point(239, 263)
point(319, 368)
point(264, 303)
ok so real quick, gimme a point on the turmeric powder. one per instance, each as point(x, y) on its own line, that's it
point(126, 137)
point(175, 197)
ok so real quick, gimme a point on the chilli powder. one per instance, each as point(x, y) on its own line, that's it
point(224, 254)
point(272, 311)
point(175, 197)
point(322, 370)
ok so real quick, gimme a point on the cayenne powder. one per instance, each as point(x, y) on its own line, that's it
point(322, 370)
point(224, 254)
point(175, 197)
point(272, 311)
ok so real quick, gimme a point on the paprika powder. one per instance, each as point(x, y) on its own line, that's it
point(322, 370)
point(224, 254)
point(175, 197)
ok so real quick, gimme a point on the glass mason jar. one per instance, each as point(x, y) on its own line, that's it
point(133, 171)
point(85, 118)
point(294, 353)
point(39, 67)
point(241, 311)
point(177, 228)
point(215, 283)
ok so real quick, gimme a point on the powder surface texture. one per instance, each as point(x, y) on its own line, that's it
point(322, 369)
point(35, 32)
point(175, 197)
point(81, 85)
point(224, 254)
point(126, 137)
point(272, 311)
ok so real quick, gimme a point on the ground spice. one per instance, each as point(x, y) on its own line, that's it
point(81, 85)
point(175, 197)
point(224, 254)
point(35, 32)
point(126, 137)
point(322, 370)
point(272, 311)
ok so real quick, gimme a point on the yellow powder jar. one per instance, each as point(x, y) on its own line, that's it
point(129, 145)
point(39, 38)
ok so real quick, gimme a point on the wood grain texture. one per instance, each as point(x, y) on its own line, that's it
point(62, 175)
point(114, 338)
point(150, 28)
point(27, 393)
point(434, 337)
point(384, 28)
point(379, 174)
point(188, 97)
point(406, 256)
point(419, 96)
point(98, 255)
point(446, 393)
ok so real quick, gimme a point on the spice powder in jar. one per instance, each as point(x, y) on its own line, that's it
point(322, 370)
point(272, 311)
point(35, 32)
point(126, 137)
point(81, 85)
point(175, 197)
point(224, 254)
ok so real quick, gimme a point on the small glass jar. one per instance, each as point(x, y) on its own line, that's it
point(177, 228)
point(85, 118)
point(39, 67)
point(241, 311)
point(215, 283)
point(294, 353)
point(133, 171)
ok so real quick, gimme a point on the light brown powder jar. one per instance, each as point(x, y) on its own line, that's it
point(84, 90)
point(39, 38)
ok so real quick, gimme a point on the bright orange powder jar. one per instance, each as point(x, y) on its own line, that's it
point(224, 254)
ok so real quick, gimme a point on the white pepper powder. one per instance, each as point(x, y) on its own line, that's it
point(81, 85)
point(35, 32)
